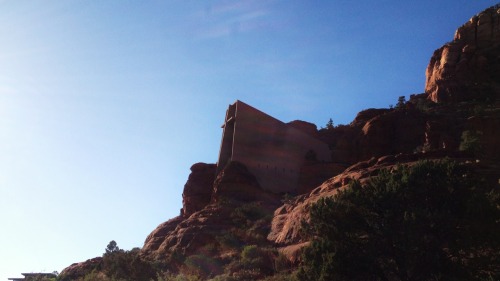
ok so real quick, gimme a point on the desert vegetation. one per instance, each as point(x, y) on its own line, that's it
point(433, 220)
point(430, 221)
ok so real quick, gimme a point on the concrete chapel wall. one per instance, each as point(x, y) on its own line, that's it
point(272, 150)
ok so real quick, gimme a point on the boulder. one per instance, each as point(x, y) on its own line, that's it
point(79, 270)
point(198, 188)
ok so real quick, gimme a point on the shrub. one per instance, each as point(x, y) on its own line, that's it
point(202, 265)
point(247, 213)
point(282, 277)
point(118, 264)
point(401, 102)
point(228, 241)
point(251, 256)
point(470, 142)
point(254, 263)
point(282, 263)
point(167, 276)
point(414, 223)
point(223, 277)
point(329, 124)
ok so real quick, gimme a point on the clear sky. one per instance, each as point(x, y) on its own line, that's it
point(105, 105)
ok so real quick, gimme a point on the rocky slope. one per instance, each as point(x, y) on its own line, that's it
point(458, 117)
point(188, 233)
point(285, 230)
point(462, 95)
point(430, 125)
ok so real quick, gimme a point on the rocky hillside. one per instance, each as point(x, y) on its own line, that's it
point(457, 117)
point(462, 100)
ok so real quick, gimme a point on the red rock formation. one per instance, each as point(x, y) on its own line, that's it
point(366, 115)
point(157, 240)
point(315, 173)
point(198, 189)
point(463, 70)
point(487, 128)
point(79, 270)
point(376, 132)
point(285, 228)
point(188, 234)
point(399, 131)
point(467, 68)
point(287, 219)
point(306, 127)
point(483, 29)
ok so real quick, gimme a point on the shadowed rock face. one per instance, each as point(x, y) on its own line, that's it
point(190, 232)
point(198, 189)
point(237, 183)
point(468, 67)
point(376, 132)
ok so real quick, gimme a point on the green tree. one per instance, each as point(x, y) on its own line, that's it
point(401, 102)
point(329, 124)
point(430, 221)
point(118, 264)
point(112, 247)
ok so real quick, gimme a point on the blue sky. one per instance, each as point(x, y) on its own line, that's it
point(105, 105)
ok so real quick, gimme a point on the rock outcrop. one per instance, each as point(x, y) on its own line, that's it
point(376, 132)
point(79, 270)
point(462, 90)
point(235, 182)
point(464, 72)
point(191, 232)
point(198, 189)
point(468, 68)
point(461, 99)
point(486, 126)
point(287, 221)
point(306, 127)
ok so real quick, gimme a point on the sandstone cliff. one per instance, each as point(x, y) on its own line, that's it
point(467, 68)
point(221, 213)
point(198, 188)
point(428, 126)
point(462, 90)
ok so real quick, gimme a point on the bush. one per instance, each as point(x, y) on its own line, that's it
point(202, 265)
point(167, 276)
point(254, 263)
point(252, 222)
point(470, 142)
point(282, 277)
point(248, 213)
point(251, 256)
point(282, 263)
point(401, 102)
point(228, 241)
point(429, 221)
